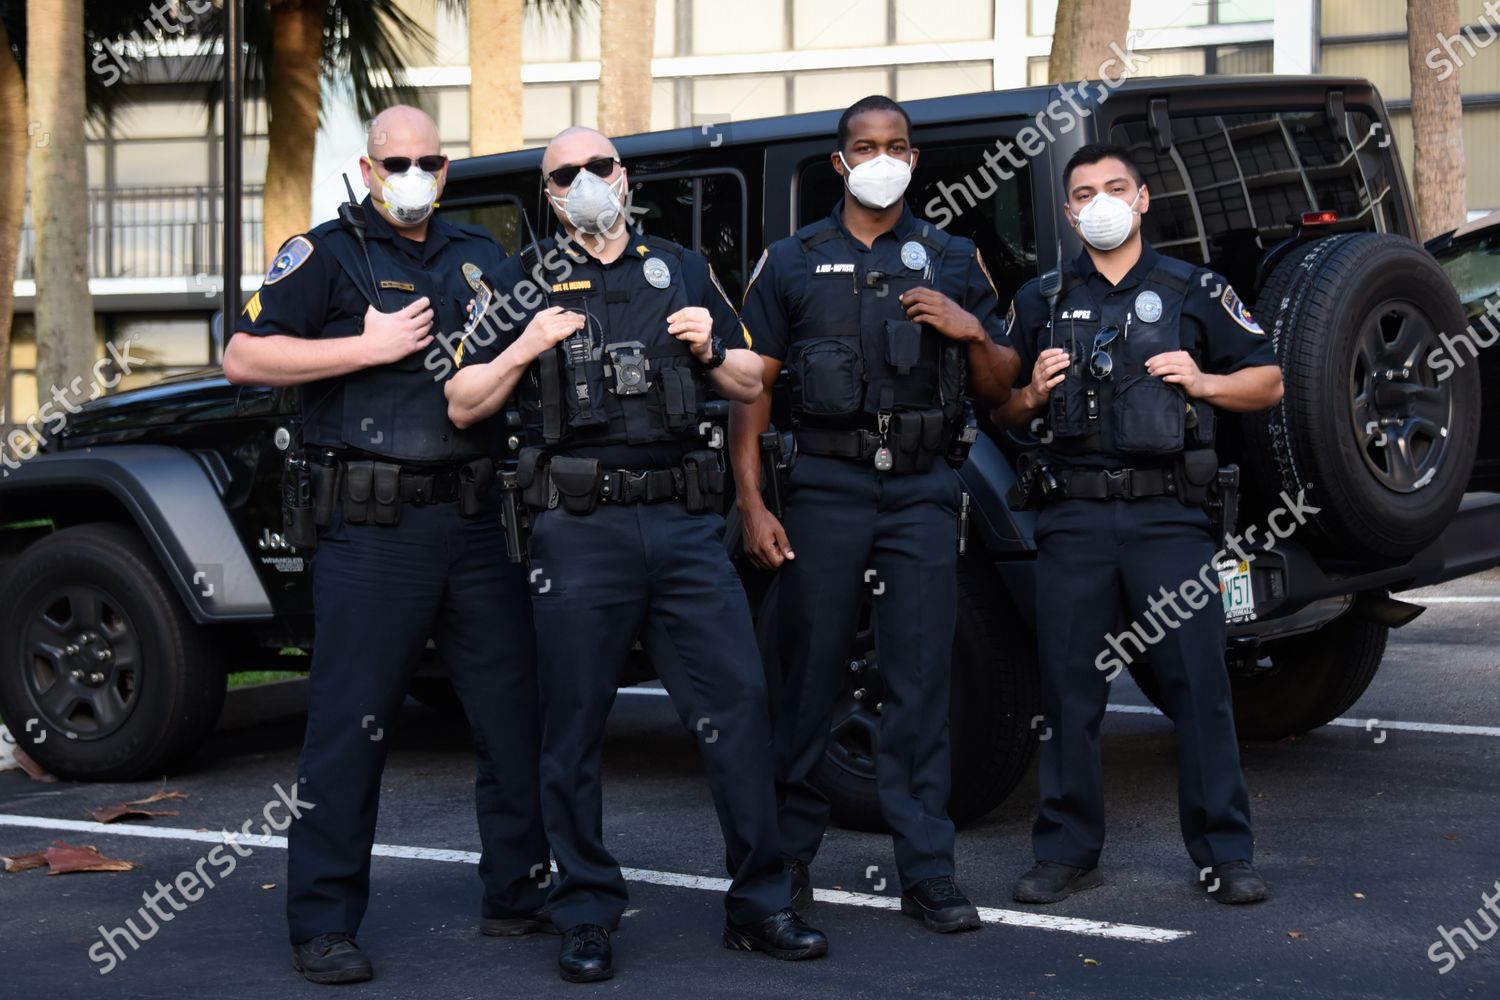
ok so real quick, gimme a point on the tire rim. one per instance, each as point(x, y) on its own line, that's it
point(81, 660)
point(854, 734)
point(1400, 410)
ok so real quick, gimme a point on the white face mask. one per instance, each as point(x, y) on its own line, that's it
point(877, 183)
point(409, 196)
point(1106, 222)
point(592, 205)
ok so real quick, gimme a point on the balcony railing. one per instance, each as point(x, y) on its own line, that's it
point(156, 232)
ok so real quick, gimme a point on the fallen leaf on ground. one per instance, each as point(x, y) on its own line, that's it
point(1450, 836)
point(64, 858)
point(1359, 895)
point(1090, 961)
point(25, 862)
point(1294, 934)
point(111, 814)
point(269, 885)
point(31, 767)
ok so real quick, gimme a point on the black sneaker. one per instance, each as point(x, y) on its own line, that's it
point(940, 905)
point(331, 958)
point(802, 893)
point(783, 935)
point(1234, 882)
point(1050, 882)
point(586, 955)
point(527, 923)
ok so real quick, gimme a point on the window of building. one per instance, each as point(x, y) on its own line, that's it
point(720, 28)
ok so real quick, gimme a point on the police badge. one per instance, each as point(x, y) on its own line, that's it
point(1148, 307)
point(914, 255)
point(656, 272)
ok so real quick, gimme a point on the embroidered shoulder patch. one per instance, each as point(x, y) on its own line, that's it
point(1237, 311)
point(292, 256)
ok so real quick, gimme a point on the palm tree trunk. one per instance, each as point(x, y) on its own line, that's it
point(295, 91)
point(1437, 120)
point(13, 143)
point(1081, 37)
point(65, 342)
point(627, 33)
point(494, 76)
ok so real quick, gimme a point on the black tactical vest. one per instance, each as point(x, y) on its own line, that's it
point(854, 353)
point(622, 379)
point(398, 410)
point(1128, 412)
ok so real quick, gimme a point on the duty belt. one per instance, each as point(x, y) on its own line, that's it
point(423, 486)
point(856, 444)
point(626, 486)
point(1114, 484)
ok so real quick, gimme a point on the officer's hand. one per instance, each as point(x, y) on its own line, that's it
point(930, 306)
point(1179, 368)
point(1048, 373)
point(392, 336)
point(765, 539)
point(551, 327)
point(694, 327)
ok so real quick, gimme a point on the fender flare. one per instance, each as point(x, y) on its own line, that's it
point(176, 507)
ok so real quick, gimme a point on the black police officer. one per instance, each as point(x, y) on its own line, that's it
point(612, 377)
point(886, 323)
point(1121, 376)
point(398, 560)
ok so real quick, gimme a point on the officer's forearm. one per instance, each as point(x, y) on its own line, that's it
point(738, 378)
point(1244, 391)
point(1020, 409)
point(992, 371)
point(746, 422)
point(478, 391)
point(278, 360)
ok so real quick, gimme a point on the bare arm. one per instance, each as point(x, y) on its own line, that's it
point(1245, 391)
point(278, 360)
point(478, 391)
point(1027, 403)
point(765, 539)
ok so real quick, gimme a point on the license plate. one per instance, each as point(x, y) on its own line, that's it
point(1234, 586)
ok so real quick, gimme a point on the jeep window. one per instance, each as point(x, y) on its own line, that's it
point(705, 211)
point(953, 185)
point(502, 218)
point(1232, 186)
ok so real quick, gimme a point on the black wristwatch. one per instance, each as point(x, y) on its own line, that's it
point(716, 358)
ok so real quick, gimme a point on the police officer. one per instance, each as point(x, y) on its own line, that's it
point(886, 323)
point(613, 371)
point(1121, 375)
point(412, 546)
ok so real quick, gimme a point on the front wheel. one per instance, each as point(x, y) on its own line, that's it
point(103, 674)
point(996, 692)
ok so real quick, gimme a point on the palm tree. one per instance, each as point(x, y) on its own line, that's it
point(495, 66)
point(1081, 37)
point(65, 340)
point(627, 31)
point(1437, 120)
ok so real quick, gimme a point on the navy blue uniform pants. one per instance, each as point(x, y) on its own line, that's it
point(1099, 565)
point(379, 592)
point(853, 527)
point(654, 572)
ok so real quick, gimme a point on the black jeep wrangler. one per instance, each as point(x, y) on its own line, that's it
point(141, 557)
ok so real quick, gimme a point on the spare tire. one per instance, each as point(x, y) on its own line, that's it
point(1367, 431)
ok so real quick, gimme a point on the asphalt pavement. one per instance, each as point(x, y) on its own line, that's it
point(1375, 837)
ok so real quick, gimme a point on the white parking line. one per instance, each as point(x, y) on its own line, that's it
point(1419, 599)
point(1414, 727)
point(1013, 918)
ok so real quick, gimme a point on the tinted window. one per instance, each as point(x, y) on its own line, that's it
point(703, 211)
point(1231, 186)
point(954, 188)
point(502, 219)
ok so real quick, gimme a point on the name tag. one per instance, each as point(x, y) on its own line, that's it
point(400, 286)
point(834, 269)
point(573, 286)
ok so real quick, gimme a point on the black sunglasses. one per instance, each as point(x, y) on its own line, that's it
point(1101, 364)
point(401, 164)
point(601, 166)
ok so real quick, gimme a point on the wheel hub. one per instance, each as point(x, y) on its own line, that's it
point(1400, 410)
point(81, 662)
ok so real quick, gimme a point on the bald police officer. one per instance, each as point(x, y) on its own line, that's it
point(1121, 374)
point(411, 547)
point(612, 359)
